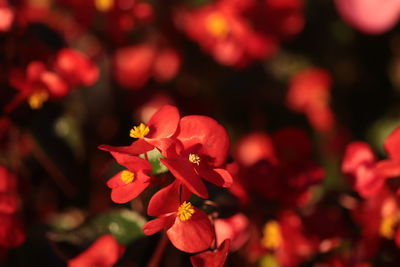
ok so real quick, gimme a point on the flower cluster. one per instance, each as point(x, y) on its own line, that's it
point(194, 149)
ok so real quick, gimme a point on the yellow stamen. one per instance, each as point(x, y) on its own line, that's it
point(272, 235)
point(386, 228)
point(217, 25)
point(127, 176)
point(194, 158)
point(185, 211)
point(104, 5)
point(139, 131)
point(37, 99)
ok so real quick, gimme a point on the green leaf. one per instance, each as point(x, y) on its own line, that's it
point(154, 159)
point(125, 225)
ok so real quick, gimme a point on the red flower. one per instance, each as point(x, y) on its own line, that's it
point(104, 252)
point(162, 125)
point(201, 150)
point(128, 184)
point(235, 228)
point(391, 166)
point(37, 85)
point(359, 161)
point(11, 231)
point(135, 65)
point(6, 17)
point(76, 68)
point(309, 93)
point(188, 228)
point(215, 258)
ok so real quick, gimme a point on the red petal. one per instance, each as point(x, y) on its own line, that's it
point(392, 144)
point(76, 67)
point(156, 225)
point(132, 163)
point(185, 172)
point(368, 183)
point(54, 84)
point(9, 203)
point(195, 130)
point(388, 168)
point(127, 192)
point(11, 231)
point(104, 252)
point(138, 147)
point(357, 154)
point(165, 201)
point(34, 71)
point(219, 177)
point(193, 235)
point(210, 258)
point(164, 122)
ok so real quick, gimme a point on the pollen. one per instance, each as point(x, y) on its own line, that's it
point(127, 176)
point(185, 211)
point(37, 99)
point(194, 158)
point(217, 25)
point(386, 228)
point(139, 131)
point(104, 5)
point(272, 235)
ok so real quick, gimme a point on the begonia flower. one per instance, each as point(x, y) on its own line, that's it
point(235, 228)
point(369, 16)
point(201, 150)
point(76, 68)
point(6, 17)
point(309, 93)
point(162, 125)
point(104, 252)
point(129, 183)
point(37, 85)
point(188, 228)
point(214, 258)
point(359, 161)
point(135, 65)
point(391, 167)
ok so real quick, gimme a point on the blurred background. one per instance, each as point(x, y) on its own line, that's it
point(292, 81)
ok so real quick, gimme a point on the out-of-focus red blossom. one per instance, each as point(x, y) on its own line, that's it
point(201, 148)
point(287, 240)
point(76, 68)
point(162, 125)
point(378, 217)
point(128, 184)
point(336, 261)
point(254, 147)
point(288, 177)
point(235, 228)
point(37, 85)
point(6, 17)
point(230, 30)
point(12, 233)
point(215, 258)
point(359, 162)
point(369, 16)
point(104, 252)
point(391, 167)
point(188, 228)
point(135, 65)
point(309, 93)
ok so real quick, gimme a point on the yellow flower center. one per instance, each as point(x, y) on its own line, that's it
point(37, 99)
point(185, 211)
point(217, 25)
point(139, 131)
point(104, 5)
point(127, 176)
point(272, 235)
point(386, 228)
point(194, 158)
